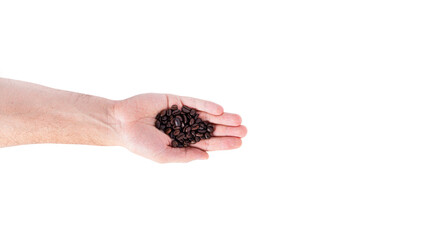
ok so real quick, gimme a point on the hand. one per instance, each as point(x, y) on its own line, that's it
point(135, 118)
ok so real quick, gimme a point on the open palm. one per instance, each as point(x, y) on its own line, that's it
point(135, 125)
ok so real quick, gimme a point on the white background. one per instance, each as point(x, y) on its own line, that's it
point(332, 93)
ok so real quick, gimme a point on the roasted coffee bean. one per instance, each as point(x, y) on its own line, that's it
point(210, 129)
point(198, 120)
point(157, 124)
point(186, 109)
point(179, 117)
point(162, 113)
point(158, 117)
point(174, 107)
point(197, 139)
point(168, 124)
point(174, 143)
point(169, 112)
point(176, 132)
point(185, 119)
point(164, 118)
point(176, 112)
point(192, 121)
point(177, 122)
point(196, 116)
point(207, 135)
point(187, 129)
point(192, 113)
point(162, 127)
point(199, 134)
point(167, 131)
point(202, 130)
point(188, 135)
point(195, 126)
point(193, 133)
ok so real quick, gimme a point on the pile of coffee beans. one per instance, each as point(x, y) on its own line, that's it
point(183, 126)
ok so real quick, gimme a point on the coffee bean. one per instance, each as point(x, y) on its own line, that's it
point(198, 120)
point(174, 143)
point(202, 130)
point(177, 122)
point(207, 135)
point(174, 107)
point(210, 129)
point(195, 127)
point(162, 113)
point(176, 112)
point(162, 127)
point(185, 119)
point(157, 124)
point(167, 131)
point(186, 109)
point(197, 139)
point(192, 121)
point(164, 118)
point(192, 113)
point(169, 112)
point(176, 132)
point(199, 134)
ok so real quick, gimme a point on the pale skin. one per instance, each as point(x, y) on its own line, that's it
point(32, 114)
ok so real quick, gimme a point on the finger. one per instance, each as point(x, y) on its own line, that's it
point(229, 119)
point(221, 130)
point(202, 105)
point(182, 155)
point(219, 143)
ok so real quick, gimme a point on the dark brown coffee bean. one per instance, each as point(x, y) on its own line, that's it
point(198, 120)
point(196, 116)
point(197, 139)
point(169, 112)
point(201, 130)
point(158, 116)
point(195, 127)
point(163, 112)
point(192, 113)
point(199, 134)
point(185, 119)
point(177, 122)
point(210, 129)
point(176, 112)
point(167, 131)
point(157, 124)
point(180, 145)
point(175, 127)
point(207, 135)
point(186, 109)
point(162, 127)
point(192, 121)
point(193, 133)
point(187, 129)
point(174, 107)
point(179, 117)
point(168, 124)
point(174, 143)
point(188, 135)
point(164, 118)
point(176, 132)
point(193, 141)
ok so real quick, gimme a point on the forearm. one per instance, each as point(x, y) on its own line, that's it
point(30, 113)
